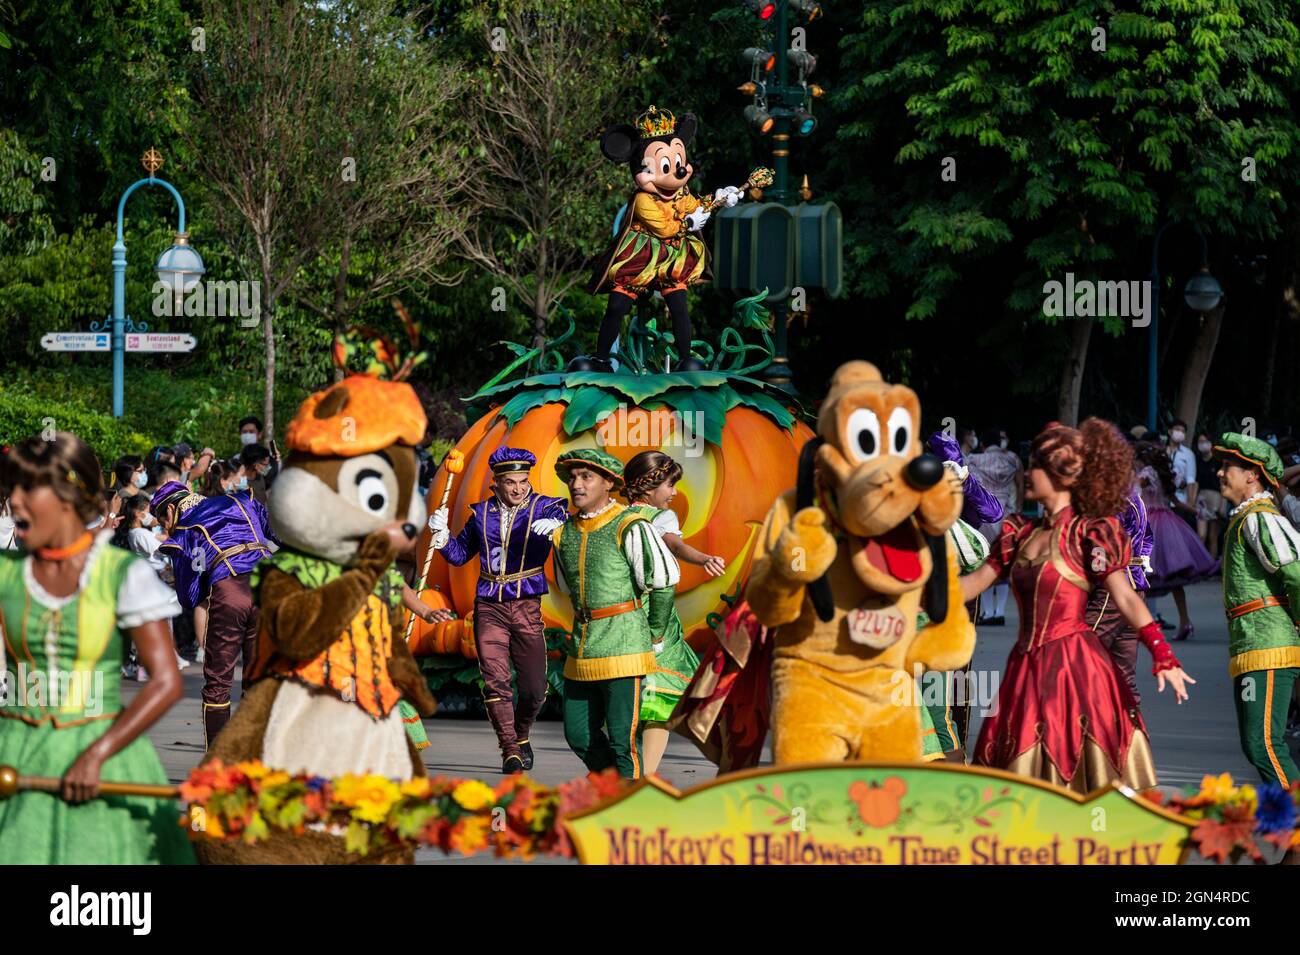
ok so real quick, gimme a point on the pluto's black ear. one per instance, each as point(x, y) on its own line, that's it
point(618, 142)
point(819, 591)
point(686, 127)
point(935, 598)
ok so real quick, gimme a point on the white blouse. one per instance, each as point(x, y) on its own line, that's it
point(141, 598)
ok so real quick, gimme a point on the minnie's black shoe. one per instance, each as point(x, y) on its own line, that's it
point(526, 754)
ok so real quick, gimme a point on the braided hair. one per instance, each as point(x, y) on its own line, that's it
point(647, 471)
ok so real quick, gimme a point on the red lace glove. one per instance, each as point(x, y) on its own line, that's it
point(1161, 652)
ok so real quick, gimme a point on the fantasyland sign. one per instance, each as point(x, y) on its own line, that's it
point(876, 814)
point(135, 341)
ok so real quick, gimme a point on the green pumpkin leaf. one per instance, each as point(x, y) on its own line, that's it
point(640, 388)
point(526, 401)
point(705, 410)
point(534, 381)
point(586, 407)
point(765, 403)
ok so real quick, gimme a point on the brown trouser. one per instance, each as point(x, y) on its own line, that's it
point(506, 632)
point(232, 629)
point(1115, 634)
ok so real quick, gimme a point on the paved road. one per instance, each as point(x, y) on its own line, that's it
point(1189, 741)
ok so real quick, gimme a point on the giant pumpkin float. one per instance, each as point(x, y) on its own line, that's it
point(736, 437)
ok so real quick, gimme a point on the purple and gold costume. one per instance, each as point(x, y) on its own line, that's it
point(493, 530)
point(215, 538)
point(1114, 632)
point(508, 605)
point(213, 547)
point(978, 505)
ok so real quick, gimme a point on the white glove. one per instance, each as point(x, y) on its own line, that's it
point(546, 526)
point(658, 647)
point(695, 220)
point(438, 520)
point(728, 196)
point(441, 535)
point(957, 470)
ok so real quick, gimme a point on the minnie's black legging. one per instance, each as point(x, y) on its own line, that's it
point(617, 309)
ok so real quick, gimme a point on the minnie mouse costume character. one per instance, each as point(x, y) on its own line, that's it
point(658, 246)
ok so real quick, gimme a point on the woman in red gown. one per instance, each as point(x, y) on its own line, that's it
point(1064, 714)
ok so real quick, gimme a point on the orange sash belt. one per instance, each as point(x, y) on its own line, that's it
point(1250, 606)
point(613, 610)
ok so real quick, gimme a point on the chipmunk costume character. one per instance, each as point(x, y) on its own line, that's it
point(330, 668)
point(845, 563)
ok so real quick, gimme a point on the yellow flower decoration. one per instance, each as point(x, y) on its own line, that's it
point(371, 796)
point(277, 778)
point(1216, 788)
point(474, 794)
point(1246, 796)
point(472, 835)
point(417, 787)
point(252, 769)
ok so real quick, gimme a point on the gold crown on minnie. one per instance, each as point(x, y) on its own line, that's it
point(656, 122)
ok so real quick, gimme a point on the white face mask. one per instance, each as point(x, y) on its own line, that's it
point(1177, 435)
point(974, 442)
point(247, 437)
point(147, 519)
point(1003, 444)
point(140, 480)
point(1204, 447)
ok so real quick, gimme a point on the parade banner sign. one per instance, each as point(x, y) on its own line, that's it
point(876, 814)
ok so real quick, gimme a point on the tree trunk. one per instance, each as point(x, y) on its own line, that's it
point(269, 339)
point(1067, 401)
point(1198, 367)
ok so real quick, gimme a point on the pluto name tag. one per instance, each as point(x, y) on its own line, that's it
point(877, 624)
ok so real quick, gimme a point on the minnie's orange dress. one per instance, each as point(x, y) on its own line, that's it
point(1064, 715)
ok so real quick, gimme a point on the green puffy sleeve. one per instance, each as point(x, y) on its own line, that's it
point(1275, 541)
point(970, 545)
point(654, 570)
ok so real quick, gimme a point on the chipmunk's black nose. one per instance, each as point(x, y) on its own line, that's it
point(409, 530)
point(923, 472)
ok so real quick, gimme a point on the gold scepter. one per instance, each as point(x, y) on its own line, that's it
point(758, 179)
point(11, 783)
point(454, 463)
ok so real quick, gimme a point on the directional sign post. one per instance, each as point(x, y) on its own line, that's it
point(100, 341)
point(75, 341)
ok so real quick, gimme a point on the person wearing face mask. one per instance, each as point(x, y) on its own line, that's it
point(258, 471)
point(129, 475)
point(1208, 500)
point(1183, 462)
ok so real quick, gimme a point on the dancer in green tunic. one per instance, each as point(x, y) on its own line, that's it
point(70, 604)
point(1261, 596)
point(650, 481)
point(620, 577)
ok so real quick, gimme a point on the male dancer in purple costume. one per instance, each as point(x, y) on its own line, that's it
point(510, 534)
point(214, 543)
point(1119, 639)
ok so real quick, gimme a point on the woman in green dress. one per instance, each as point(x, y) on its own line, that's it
point(70, 604)
point(650, 481)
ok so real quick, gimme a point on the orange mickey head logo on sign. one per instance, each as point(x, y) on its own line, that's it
point(878, 803)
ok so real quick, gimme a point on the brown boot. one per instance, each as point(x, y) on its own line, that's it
point(501, 714)
point(215, 716)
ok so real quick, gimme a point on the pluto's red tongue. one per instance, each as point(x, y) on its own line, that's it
point(895, 553)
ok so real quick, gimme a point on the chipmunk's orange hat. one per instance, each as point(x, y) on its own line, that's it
point(359, 415)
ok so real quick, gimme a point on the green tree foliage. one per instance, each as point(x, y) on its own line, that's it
point(1067, 156)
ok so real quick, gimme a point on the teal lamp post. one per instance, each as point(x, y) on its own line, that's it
point(180, 267)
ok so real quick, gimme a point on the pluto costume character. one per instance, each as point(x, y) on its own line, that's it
point(329, 666)
point(844, 574)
